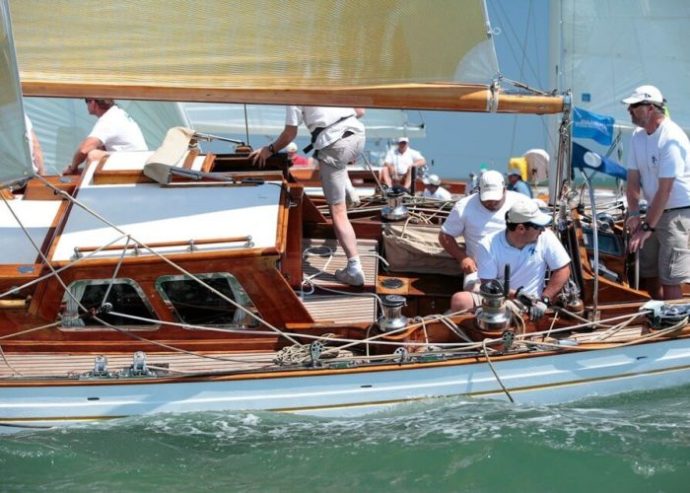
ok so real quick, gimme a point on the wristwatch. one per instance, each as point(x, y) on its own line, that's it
point(546, 300)
point(647, 227)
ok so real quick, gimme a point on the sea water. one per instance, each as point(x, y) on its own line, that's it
point(638, 442)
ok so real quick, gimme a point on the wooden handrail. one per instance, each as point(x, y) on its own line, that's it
point(190, 243)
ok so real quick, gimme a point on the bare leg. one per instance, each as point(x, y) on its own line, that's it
point(462, 300)
point(652, 286)
point(671, 291)
point(344, 231)
point(386, 176)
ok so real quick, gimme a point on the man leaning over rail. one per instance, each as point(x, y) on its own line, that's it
point(115, 130)
point(529, 249)
point(338, 137)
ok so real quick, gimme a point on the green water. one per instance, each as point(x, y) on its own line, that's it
point(634, 442)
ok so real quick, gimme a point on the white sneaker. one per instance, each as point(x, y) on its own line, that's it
point(356, 279)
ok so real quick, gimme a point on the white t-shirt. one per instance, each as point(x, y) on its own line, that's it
point(118, 131)
point(527, 265)
point(321, 117)
point(473, 221)
point(664, 154)
point(440, 194)
point(402, 161)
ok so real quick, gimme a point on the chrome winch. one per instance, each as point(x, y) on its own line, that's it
point(493, 314)
point(392, 318)
point(395, 210)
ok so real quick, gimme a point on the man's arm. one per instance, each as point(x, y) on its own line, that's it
point(467, 264)
point(654, 212)
point(38, 154)
point(259, 156)
point(556, 282)
point(86, 146)
point(632, 194)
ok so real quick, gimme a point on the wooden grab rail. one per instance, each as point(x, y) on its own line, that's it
point(191, 243)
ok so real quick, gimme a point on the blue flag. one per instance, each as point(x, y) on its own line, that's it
point(584, 158)
point(588, 125)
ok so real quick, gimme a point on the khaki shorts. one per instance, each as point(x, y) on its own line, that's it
point(666, 254)
point(333, 161)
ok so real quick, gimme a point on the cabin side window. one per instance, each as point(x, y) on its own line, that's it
point(97, 303)
point(194, 303)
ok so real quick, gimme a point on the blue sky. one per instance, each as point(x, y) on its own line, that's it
point(458, 143)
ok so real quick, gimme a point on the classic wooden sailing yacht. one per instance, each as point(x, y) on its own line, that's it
point(197, 282)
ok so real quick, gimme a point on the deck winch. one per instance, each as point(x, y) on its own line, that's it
point(663, 315)
point(493, 314)
point(395, 210)
point(392, 318)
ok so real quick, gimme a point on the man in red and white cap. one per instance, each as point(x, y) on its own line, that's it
point(659, 166)
point(398, 164)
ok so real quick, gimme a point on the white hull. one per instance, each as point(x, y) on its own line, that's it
point(537, 379)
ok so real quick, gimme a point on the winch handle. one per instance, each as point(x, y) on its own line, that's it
point(506, 284)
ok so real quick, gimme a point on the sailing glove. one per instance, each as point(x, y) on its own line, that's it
point(537, 310)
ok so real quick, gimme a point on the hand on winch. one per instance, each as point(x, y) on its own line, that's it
point(535, 306)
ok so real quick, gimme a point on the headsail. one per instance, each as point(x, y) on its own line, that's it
point(270, 120)
point(387, 54)
point(15, 160)
point(61, 124)
point(609, 47)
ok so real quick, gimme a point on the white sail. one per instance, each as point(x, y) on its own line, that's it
point(15, 160)
point(61, 124)
point(609, 47)
point(270, 120)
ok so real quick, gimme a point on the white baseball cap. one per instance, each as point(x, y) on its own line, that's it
point(527, 211)
point(645, 94)
point(491, 186)
point(431, 180)
point(291, 147)
point(403, 139)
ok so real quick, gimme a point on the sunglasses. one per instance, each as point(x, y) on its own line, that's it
point(637, 105)
point(535, 226)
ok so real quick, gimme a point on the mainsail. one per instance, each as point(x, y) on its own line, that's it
point(609, 47)
point(15, 160)
point(385, 54)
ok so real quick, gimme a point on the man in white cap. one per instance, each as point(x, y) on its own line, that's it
point(529, 249)
point(434, 190)
point(659, 165)
point(474, 217)
point(398, 164)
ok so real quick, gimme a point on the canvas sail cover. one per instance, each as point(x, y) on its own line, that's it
point(15, 161)
point(610, 47)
